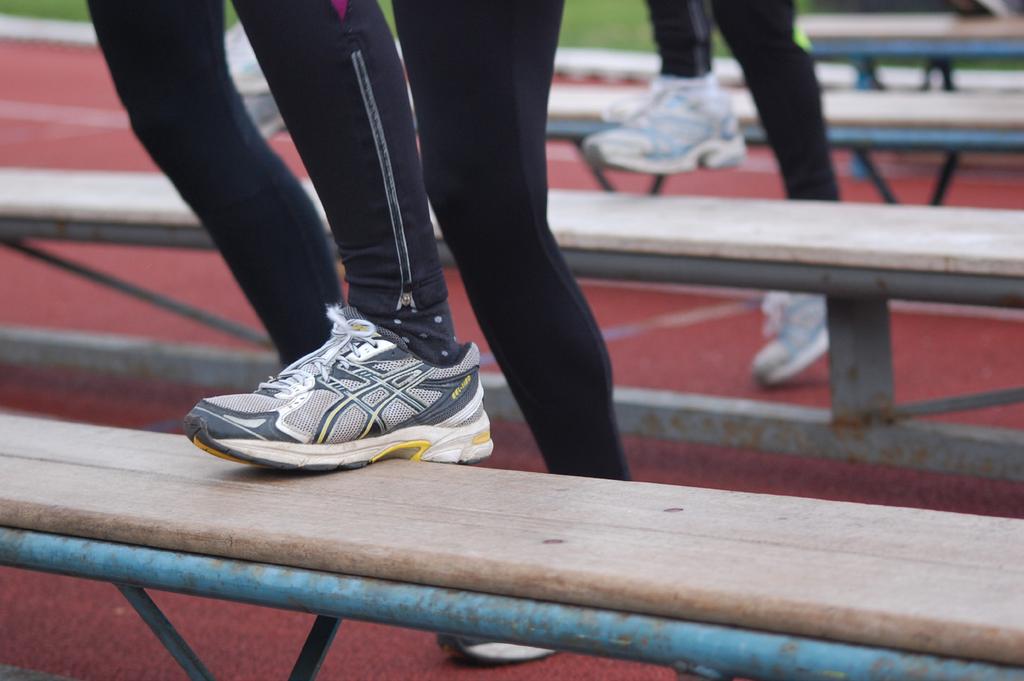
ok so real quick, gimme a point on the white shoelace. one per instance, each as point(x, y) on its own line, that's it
point(345, 335)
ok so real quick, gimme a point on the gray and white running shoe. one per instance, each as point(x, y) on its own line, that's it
point(360, 398)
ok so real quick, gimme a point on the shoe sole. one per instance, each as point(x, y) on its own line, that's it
point(713, 154)
point(465, 444)
point(490, 653)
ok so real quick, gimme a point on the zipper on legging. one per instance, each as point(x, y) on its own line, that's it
point(390, 191)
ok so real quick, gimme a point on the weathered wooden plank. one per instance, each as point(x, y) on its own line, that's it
point(915, 238)
point(609, 64)
point(889, 26)
point(856, 109)
point(909, 238)
point(926, 581)
point(93, 196)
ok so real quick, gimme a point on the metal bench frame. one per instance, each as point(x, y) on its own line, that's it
point(860, 140)
point(709, 651)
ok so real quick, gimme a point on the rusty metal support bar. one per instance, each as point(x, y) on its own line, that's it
point(994, 398)
point(860, 360)
point(152, 297)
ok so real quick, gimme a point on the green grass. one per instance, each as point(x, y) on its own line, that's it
point(598, 23)
point(588, 23)
point(73, 10)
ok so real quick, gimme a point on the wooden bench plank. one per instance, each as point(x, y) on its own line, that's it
point(890, 26)
point(917, 238)
point(907, 238)
point(965, 111)
point(923, 581)
point(92, 196)
point(587, 62)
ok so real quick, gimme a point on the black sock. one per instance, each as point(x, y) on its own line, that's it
point(428, 331)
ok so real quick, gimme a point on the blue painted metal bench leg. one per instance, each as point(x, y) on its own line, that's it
point(657, 183)
point(945, 178)
point(165, 631)
point(866, 165)
point(314, 651)
point(307, 666)
point(862, 166)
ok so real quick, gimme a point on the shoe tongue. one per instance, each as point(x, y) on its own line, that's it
point(350, 313)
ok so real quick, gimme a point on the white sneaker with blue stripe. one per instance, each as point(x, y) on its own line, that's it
point(798, 322)
point(683, 124)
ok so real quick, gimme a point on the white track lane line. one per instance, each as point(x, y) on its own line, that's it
point(670, 320)
point(64, 114)
point(1008, 314)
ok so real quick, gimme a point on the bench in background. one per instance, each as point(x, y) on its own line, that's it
point(862, 121)
point(860, 256)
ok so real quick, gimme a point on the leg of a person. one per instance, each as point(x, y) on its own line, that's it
point(167, 61)
point(781, 78)
point(480, 75)
point(682, 33)
point(334, 71)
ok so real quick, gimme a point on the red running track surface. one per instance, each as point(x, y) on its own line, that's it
point(58, 110)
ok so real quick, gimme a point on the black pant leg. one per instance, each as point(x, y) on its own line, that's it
point(167, 61)
point(335, 74)
point(781, 78)
point(480, 75)
point(682, 33)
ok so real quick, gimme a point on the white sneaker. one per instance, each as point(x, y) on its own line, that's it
point(799, 324)
point(682, 124)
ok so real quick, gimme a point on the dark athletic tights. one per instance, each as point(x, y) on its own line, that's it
point(480, 74)
point(779, 73)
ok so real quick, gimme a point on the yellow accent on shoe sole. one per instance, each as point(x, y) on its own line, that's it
point(482, 437)
point(420, 445)
point(221, 455)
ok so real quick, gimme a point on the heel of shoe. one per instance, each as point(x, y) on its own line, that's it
point(469, 443)
point(726, 154)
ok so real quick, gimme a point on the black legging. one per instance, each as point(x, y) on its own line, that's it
point(167, 60)
point(779, 73)
point(480, 75)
